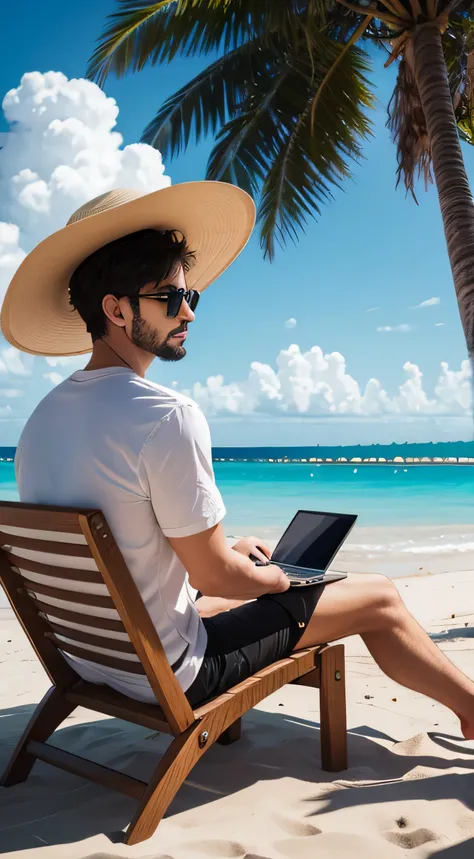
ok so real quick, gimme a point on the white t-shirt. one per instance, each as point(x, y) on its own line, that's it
point(141, 453)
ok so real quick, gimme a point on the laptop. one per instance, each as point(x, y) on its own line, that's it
point(309, 545)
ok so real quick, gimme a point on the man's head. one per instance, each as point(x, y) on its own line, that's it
point(215, 217)
point(105, 290)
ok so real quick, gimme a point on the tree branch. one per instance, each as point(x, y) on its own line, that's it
point(397, 8)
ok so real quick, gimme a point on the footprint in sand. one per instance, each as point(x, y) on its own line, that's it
point(413, 747)
point(295, 827)
point(409, 840)
point(224, 848)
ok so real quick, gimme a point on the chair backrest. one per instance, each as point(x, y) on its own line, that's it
point(47, 555)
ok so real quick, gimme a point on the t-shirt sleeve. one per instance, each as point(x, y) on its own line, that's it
point(176, 466)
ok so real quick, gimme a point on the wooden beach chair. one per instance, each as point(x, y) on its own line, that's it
point(75, 546)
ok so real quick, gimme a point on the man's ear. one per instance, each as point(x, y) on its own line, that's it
point(113, 311)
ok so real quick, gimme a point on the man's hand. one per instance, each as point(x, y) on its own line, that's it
point(258, 548)
point(253, 546)
point(218, 571)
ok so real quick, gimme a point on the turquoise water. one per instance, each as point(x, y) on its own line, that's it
point(266, 495)
point(8, 487)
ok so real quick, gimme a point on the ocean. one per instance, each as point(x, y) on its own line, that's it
point(267, 494)
point(405, 512)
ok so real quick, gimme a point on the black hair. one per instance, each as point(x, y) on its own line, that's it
point(122, 268)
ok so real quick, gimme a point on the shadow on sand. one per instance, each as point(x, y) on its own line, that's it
point(52, 806)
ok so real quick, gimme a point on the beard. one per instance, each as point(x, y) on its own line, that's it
point(149, 341)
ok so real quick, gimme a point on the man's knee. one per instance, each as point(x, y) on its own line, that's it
point(386, 600)
point(380, 598)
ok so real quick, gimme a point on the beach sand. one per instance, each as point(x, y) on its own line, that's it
point(408, 792)
point(396, 550)
point(408, 551)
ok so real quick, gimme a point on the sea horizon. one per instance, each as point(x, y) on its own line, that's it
point(267, 453)
point(412, 517)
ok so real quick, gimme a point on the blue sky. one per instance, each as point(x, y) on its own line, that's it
point(372, 248)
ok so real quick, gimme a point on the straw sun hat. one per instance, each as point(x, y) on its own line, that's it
point(216, 219)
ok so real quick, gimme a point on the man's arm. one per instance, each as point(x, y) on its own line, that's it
point(215, 569)
point(176, 470)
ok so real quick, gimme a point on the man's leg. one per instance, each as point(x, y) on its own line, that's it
point(370, 605)
point(210, 606)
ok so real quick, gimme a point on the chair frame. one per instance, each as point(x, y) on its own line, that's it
point(194, 731)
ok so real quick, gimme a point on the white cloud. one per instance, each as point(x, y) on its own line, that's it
point(61, 151)
point(316, 385)
point(54, 378)
point(412, 399)
point(290, 323)
point(11, 254)
point(73, 362)
point(15, 362)
point(395, 328)
point(372, 309)
point(430, 302)
point(11, 393)
point(454, 388)
point(64, 360)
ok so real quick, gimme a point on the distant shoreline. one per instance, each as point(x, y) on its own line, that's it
point(451, 460)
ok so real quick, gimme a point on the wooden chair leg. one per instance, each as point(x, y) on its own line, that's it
point(333, 709)
point(232, 734)
point(171, 772)
point(49, 714)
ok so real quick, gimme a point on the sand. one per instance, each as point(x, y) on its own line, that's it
point(396, 550)
point(408, 792)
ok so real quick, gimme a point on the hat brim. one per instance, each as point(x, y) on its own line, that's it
point(216, 219)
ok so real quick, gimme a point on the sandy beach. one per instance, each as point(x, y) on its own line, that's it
point(396, 550)
point(308, 349)
point(409, 789)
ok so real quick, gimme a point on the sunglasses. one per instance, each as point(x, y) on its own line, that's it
point(174, 299)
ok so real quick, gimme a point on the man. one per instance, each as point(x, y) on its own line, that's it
point(134, 267)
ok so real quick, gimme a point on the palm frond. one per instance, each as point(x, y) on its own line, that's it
point(205, 102)
point(458, 47)
point(353, 38)
point(140, 33)
point(407, 124)
point(129, 29)
point(269, 145)
point(307, 165)
point(243, 149)
point(406, 119)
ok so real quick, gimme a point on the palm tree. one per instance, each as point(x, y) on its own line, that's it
point(287, 100)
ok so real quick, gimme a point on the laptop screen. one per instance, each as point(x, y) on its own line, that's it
point(312, 539)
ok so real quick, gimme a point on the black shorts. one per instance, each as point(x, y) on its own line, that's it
point(244, 640)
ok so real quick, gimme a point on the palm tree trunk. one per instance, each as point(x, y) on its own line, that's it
point(457, 206)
